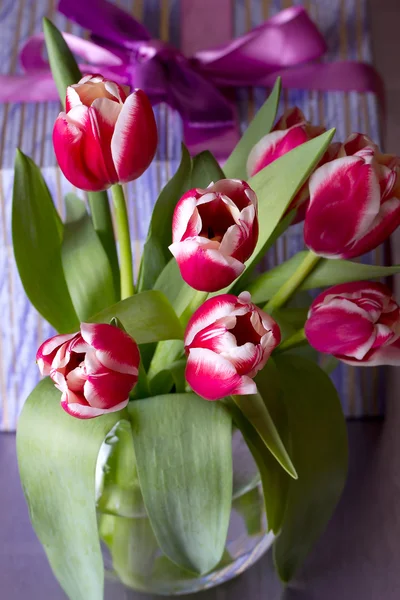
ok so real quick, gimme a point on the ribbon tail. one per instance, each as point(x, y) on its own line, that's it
point(30, 87)
point(340, 76)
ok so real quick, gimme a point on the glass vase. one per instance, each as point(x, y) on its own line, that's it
point(132, 557)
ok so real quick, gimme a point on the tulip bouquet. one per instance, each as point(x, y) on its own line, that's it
point(152, 385)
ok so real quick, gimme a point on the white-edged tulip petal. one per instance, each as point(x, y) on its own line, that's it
point(203, 266)
point(84, 411)
point(48, 350)
point(134, 141)
point(208, 313)
point(357, 322)
point(115, 349)
point(213, 377)
point(183, 213)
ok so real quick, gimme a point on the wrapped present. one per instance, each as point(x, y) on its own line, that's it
point(191, 25)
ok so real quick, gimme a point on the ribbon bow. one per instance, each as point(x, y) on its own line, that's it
point(122, 49)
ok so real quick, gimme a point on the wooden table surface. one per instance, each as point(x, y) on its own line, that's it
point(358, 557)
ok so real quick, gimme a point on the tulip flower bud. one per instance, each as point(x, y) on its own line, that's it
point(290, 131)
point(359, 323)
point(214, 231)
point(354, 201)
point(105, 136)
point(95, 369)
point(228, 340)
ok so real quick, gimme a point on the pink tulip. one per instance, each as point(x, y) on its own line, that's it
point(95, 369)
point(214, 231)
point(354, 201)
point(358, 322)
point(105, 136)
point(290, 131)
point(228, 340)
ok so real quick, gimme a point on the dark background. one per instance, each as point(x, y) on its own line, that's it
point(358, 558)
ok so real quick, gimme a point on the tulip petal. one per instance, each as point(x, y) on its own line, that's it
point(240, 240)
point(344, 202)
point(78, 151)
point(273, 146)
point(290, 118)
point(76, 379)
point(134, 142)
point(48, 350)
point(92, 87)
point(203, 266)
point(246, 358)
point(237, 190)
point(59, 380)
point(341, 327)
point(383, 335)
point(115, 90)
point(73, 405)
point(387, 221)
point(107, 113)
point(357, 288)
point(115, 349)
point(385, 355)
point(183, 213)
point(214, 377)
point(216, 337)
point(208, 313)
point(108, 388)
point(72, 98)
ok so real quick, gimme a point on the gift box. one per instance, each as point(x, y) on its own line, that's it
point(344, 25)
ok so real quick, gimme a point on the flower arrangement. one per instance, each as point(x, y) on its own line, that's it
point(161, 375)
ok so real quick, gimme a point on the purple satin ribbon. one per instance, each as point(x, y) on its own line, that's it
point(122, 49)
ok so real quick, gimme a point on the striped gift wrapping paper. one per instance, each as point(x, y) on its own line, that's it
point(344, 24)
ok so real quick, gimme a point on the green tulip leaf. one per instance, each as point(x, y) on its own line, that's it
point(326, 273)
point(256, 412)
point(37, 235)
point(275, 480)
point(132, 546)
point(235, 166)
point(183, 448)
point(319, 448)
point(85, 263)
point(57, 457)
point(205, 170)
point(155, 252)
point(147, 317)
point(178, 292)
point(268, 467)
point(63, 65)
point(164, 380)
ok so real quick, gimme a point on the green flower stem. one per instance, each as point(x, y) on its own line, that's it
point(102, 222)
point(294, 341)
point(293, 283)
point(124, 238)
